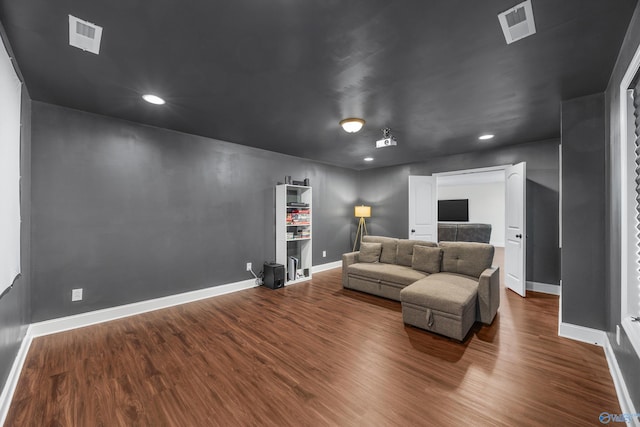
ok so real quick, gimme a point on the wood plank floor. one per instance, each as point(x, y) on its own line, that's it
point(312, 354)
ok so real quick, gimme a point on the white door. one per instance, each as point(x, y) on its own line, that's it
point(515, 233)
point(423, 208)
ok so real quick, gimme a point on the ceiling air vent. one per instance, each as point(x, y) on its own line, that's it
point(84, 35)
point(517, 22)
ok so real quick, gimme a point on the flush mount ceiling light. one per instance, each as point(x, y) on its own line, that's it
point(368, 159)
point(153, 99)
point(352, 125)
point(485, 137)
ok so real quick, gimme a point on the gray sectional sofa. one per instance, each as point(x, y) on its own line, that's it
point(466, 232)
point(443, 288)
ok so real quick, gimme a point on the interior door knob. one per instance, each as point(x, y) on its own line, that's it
point(519, 236)
point(413, 231)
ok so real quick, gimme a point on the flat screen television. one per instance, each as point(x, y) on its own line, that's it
point(453, 210)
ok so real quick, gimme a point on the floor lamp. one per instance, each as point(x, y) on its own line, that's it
point(361, 212)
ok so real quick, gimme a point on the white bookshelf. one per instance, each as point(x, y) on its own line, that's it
point(294, 229)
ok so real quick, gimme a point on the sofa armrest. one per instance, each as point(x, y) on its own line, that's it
point(488, 294)
point(347, 260)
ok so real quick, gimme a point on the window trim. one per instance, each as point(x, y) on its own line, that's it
point(627, 209)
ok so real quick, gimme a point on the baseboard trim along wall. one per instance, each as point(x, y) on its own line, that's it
point(12, 380)
point(580, 333)
point(98, 316)
point(545, 288)
point(112, 313)
point(626, 404)
point(325, 267)
point(599, 338)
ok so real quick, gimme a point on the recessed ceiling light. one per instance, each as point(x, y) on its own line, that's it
point(153, 99)
point(485, 137)
point(368, 159)
point(352, 124)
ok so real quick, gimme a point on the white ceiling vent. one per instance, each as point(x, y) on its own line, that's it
point(517, 22)
point(84, 35)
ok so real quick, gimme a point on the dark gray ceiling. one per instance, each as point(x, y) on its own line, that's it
point(281, 74)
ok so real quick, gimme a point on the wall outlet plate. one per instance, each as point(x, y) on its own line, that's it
point(618, 334)
point(248, 266)
point(76, 294)
point(324, 254)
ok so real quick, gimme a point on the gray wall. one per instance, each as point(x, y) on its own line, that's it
point(386, 189)
point(584, 296)
point(131, 212)
point(15, 305)
point(628, 360)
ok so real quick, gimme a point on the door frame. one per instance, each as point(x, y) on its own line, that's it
point(488, 169)
point(628, 256)
point(469, 171)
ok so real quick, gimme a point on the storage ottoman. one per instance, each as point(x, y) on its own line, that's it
point(444, 303)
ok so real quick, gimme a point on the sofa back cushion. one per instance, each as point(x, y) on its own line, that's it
point(389, 247)
point(474, 233)
point(447, 232)
point(404, 253)
point(468, 258)
point(426, 259)
point(369, 252)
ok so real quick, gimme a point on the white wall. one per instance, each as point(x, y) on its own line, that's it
point(486, 205)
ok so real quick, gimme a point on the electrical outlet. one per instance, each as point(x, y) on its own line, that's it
point(76, 294)
point(324, 254)
point(618, 334)
point(248, 266)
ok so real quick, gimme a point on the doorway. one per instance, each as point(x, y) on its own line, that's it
point(494, 195)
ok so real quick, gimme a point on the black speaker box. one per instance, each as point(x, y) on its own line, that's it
point(273, 275)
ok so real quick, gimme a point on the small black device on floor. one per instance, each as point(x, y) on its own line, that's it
point(273, 275)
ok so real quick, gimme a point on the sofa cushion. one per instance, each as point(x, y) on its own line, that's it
point(426, 259)
point(446, 292)
point(404, 253)
point(386, 272)
point(389, 247)
point(467, 258)
point(369, 252)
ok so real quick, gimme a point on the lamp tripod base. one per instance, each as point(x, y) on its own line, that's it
point(362, 230)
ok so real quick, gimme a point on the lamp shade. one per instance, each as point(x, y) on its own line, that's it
point(363, 211)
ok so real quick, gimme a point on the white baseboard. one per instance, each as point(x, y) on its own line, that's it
point(545, 288)
point(626, 404)
point(580, 333)
point(12, 380)
point(599, 338)
point(98, 316)
point(327, 266)
point(112, 313)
